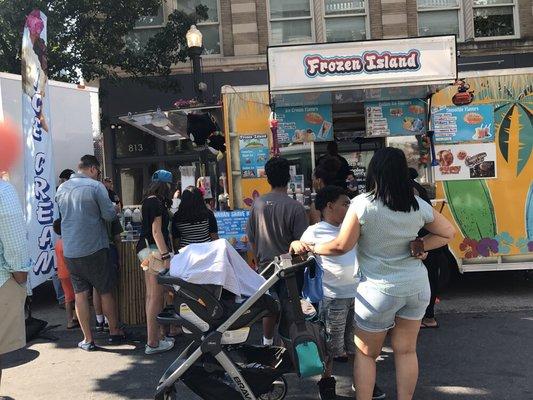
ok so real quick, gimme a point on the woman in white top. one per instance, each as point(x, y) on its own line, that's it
point(394, 290)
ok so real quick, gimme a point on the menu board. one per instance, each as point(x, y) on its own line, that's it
point(463, 124)
point(254, 153)
point(232, 227)
point(395, 118)
point(305, 124)
point(465, 161)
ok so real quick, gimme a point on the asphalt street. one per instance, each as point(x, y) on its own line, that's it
point(482, 350)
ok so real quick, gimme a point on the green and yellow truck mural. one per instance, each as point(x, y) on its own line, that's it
point(494, 217)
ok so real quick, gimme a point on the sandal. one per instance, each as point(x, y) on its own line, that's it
point(75, 325)
point(424, 325)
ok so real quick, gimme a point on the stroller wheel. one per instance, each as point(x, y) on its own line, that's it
point(277, 391)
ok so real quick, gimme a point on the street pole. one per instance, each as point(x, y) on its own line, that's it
point(195, 54)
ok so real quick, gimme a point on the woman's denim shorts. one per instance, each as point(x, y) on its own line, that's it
point(376, 311)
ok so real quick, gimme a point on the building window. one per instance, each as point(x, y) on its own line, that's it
point(145, 28)
point(345, 20)
point(210, 27)
point(493, 18)
point(439, 17)
point(291, 21)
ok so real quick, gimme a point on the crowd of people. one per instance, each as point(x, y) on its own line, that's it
point(371, 248)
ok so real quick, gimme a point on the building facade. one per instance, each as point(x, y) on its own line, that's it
point(491, 34)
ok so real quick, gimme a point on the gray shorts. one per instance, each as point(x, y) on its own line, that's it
point(338, 317)
point(95, 270)
point(376, 311)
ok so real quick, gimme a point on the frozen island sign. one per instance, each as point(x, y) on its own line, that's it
point(370, 62)
point(424, 61)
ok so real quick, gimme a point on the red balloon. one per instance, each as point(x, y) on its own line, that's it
point(10, 145)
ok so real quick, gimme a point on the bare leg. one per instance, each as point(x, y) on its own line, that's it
point(97, 303)
point(109, 307)
point(154, 305)
point(84, 314)
point(403, 340)
point(368, 349)
point(69, 310)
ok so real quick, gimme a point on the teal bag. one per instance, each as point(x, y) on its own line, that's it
point(309, 360)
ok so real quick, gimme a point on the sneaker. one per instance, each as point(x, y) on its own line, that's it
point(106, 327)
point(117, 339)
point(99, 327)
point(87, 346)
point(377, 394)
point(326, 388)
point(163, 346)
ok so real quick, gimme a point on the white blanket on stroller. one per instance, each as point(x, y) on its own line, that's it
point(216, 263)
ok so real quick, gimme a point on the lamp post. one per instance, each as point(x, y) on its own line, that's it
point(195, 48)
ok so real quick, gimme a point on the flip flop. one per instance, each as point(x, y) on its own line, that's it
point(76, 325)
point(423, 325)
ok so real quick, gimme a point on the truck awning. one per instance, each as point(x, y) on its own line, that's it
point(167, 125)
point(361, 71)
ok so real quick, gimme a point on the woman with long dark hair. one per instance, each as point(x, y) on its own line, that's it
point(193, 222)
point(394, 290)
point(325, 174)
point(155, 238)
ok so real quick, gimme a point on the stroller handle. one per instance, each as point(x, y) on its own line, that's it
point(289, 269)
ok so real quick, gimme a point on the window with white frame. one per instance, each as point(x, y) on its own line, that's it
point(145, 28)
point(439, 17)
point(291, 21)
point(210, 27)
point(494, 18)
point(345, 20)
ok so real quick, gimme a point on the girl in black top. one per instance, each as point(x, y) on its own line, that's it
point(193, 222)
point(155, 221)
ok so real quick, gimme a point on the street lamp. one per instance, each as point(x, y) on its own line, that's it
point(195, 48)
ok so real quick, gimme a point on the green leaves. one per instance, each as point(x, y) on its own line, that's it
point(503, 114)
point(526, 137)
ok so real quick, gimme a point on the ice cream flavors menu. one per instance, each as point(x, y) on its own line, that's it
point(305, 124)
point(232, 227)
point(463, 124)
point(254, 153)
point(465, 161)
point(395, 118)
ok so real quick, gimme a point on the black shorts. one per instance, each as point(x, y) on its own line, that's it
point(95, 270)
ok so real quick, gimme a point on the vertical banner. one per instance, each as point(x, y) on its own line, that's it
point(38, 157)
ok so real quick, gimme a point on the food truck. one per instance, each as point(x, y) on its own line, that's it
point(470, 139)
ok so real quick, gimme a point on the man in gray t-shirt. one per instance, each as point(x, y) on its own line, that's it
point(275, 221)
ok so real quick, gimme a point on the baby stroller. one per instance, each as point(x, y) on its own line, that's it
point(217, 364)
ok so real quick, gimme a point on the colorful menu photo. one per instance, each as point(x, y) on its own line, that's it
point(463, 124)
point(232, 227)
point(254, 153)
point(465, 161)
point(305, 124)
point(395, 118)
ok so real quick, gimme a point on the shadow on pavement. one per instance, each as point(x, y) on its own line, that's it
point(19, 357)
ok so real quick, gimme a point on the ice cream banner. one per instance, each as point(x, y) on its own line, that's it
point(305, 124)
point(463, 124)
point(465, 161)
point(254, 153)
point(395, 118)
point(38, 155)
point(232, 227)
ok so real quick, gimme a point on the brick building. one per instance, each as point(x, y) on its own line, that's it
point(491, 34)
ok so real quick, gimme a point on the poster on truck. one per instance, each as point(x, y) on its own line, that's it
point(494, 217)
point(254, 153)
point(463, 124)
point(465, 161)
point(395, 118)
point(305, 124)
point(232, 227)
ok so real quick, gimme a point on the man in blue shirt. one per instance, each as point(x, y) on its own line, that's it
point(85, 206)
point(14, 267)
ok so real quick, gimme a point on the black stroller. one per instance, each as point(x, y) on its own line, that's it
point(217, 364)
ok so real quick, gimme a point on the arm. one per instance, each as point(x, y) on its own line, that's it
point(107, 207)
point(441, 232)
point(159, 239)
point(347, 239)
